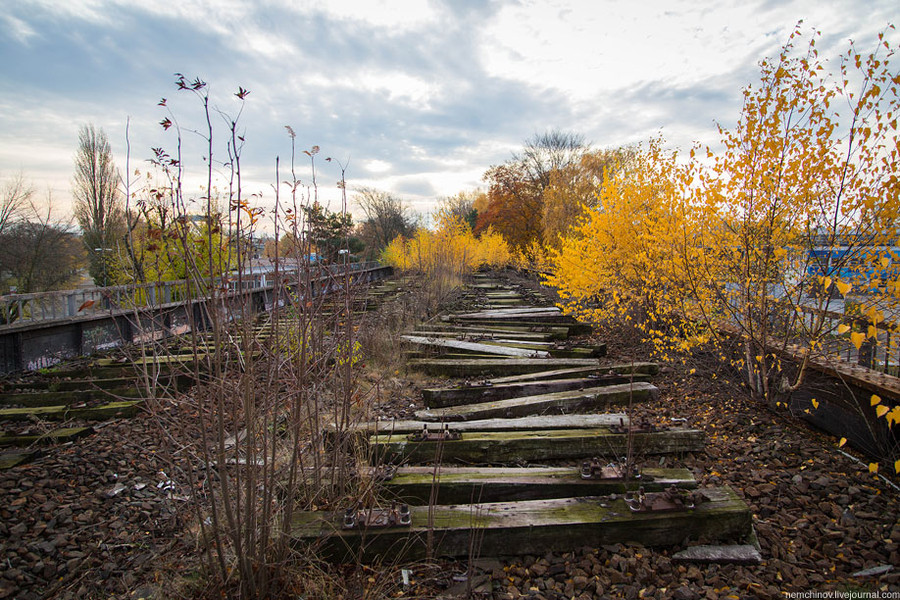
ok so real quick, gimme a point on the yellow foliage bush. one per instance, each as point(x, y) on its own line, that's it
point(450, 248)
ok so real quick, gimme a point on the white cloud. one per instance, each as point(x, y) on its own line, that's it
point(19, 29)
point(376, 166)
point(397, 15)
point(586, 47)
point(392, 86)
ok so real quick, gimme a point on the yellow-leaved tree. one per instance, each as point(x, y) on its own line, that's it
point(627, 260)
point(800, 208)
point(765, 239)
point(449, 249)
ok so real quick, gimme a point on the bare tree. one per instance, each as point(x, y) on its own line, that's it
point(462, 206)
point(40, 253)
point(98, 206)
point(386, 218)
point(15, 199)
point(550, 151)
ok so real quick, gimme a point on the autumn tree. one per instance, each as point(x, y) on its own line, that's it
point(449, 250)
point(98, 206)
point(804, 205)
point(573, 188)
point(754, 243)
point(516, 188)
point(623, 260)
point(465, 205)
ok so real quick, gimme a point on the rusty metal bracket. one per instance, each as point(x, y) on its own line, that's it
point(397, 515)
point(671, 500)
point(384, 472)
point(595, 469)
point(445, 434)
point(642, 426)
point(482, 383)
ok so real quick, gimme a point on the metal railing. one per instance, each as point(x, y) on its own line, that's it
point(22, 309)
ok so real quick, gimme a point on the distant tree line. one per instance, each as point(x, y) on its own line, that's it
point(39, 252)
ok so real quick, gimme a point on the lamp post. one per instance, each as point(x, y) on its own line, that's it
point(104, 274)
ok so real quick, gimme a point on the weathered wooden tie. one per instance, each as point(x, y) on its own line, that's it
point(644, 368)
point(525, 313)
point(68, 398)
point(55, 436)
point(62, 385)
point(475, 335)
point(515, 447)
point(527, 527)
point(554, 350)
point(475, 347)
point(459, 485)
point(442, 397)
point(511, 366)
point(571, 326)
point(595, 399)
point(592, 421)
point(14, 458)
point(498, 327)
point(104, 411)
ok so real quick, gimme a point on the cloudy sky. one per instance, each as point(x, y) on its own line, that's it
point(417, 97)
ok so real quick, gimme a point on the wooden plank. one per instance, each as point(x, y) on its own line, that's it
point(472, 335)
point(474, 367)
point(62, 385)
point(509, 313)
point(645, 368)
point(475, 347)
point(487, 286)
point(14, 458)
point(572, 327)
point(520, 424)
point(462, 355)
point(555, 333)
point(67, 398)
point(150, 361)
point(52, 437)
point(554, 350)
point(104, 411)
point(574, 401)
point(442, 397)
point(529, 527)
point(498, 303)
point(459, 485)
point(514, 447)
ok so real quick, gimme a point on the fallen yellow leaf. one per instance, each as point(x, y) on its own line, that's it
point(842, 442)
point(876, 399)
point(873, 467)
point(882, 410)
